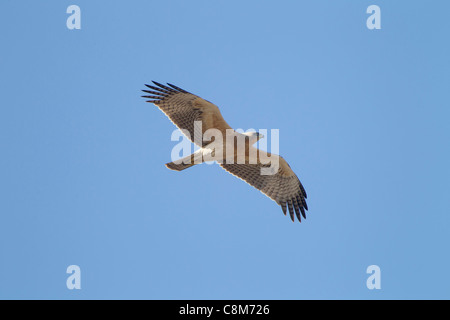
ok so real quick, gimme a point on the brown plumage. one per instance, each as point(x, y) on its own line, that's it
point(183, 108)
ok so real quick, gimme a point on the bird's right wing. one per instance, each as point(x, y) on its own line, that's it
point(283, 187)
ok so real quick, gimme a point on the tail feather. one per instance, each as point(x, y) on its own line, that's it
point(186, 162)
point(178, 167)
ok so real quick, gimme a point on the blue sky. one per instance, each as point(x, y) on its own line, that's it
point(363, 118)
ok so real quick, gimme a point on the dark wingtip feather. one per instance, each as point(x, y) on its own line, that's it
point(152, 97)
point(163, 86)
point(303, 212)
point(177, 88)
point(291, 210)
point(149, 86)
point(158, 84)
point(301, 201)
point(304, 193)
point(283, 207)
point(297, 210)
point(158, 93)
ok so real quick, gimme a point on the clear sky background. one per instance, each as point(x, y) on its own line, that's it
point(363, 118)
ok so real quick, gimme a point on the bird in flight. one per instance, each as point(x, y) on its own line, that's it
point(194, 116)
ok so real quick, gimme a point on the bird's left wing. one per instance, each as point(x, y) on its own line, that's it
point(283, 187)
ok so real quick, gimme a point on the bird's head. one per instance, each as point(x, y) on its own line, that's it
point(259, 135)
point(254, 136)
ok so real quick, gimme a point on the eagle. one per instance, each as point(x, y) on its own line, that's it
point(194, 116)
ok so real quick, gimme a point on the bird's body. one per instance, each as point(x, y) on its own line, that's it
point(202, 122)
